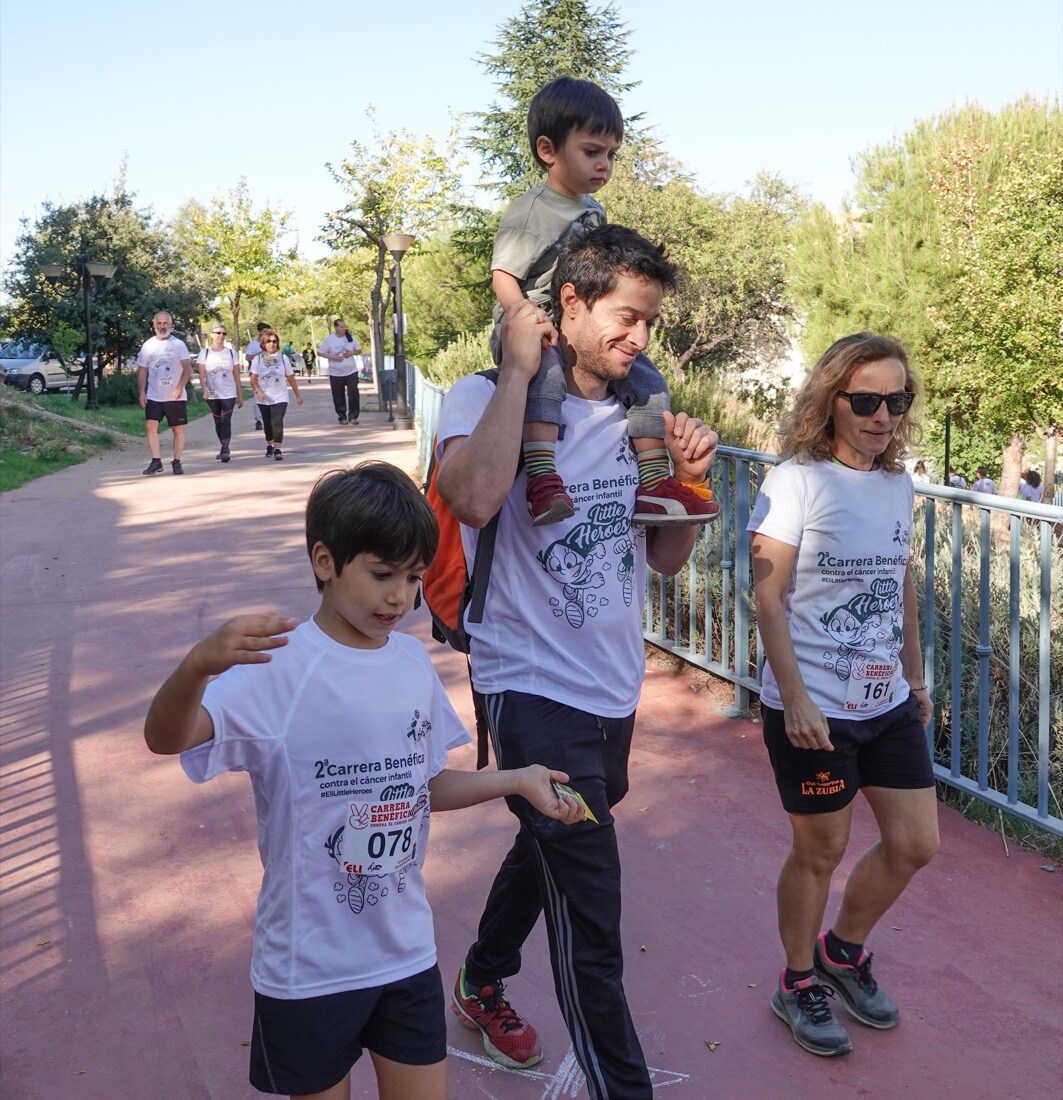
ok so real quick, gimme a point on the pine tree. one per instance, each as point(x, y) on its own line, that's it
point(548, 39)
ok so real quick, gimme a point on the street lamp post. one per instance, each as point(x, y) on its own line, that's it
point(93, 276)
point(398, 244)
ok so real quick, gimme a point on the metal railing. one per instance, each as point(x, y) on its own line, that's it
point(989, 573)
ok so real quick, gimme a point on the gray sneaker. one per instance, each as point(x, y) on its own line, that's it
point(806, 1010)
point(863, 996)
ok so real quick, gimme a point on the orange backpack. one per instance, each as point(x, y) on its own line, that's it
point(447, 587)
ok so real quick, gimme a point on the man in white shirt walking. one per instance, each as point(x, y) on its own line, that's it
point(163, 369)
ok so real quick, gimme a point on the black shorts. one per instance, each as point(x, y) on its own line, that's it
point(889, 750)
point(309, 1045)
point(176, 412)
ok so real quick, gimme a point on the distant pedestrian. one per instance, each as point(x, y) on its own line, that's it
point(250, 352)
point(309, 358)
point(340, 349)
point(271, 375)
point(163, 369)
point(957, 481)
point(984, 483)
point(219, 375)
point(1030, 487)
point(919, 474)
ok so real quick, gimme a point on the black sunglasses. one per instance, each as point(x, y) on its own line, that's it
point(219, 332)
point(867, 404)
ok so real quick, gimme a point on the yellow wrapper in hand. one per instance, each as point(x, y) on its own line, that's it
point(562, 791)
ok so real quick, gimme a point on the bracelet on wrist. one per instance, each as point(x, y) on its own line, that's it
point(917, 687)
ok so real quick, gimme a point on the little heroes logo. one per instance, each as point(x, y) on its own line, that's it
point(822, 784)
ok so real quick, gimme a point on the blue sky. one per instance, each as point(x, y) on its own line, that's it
point(200, 94)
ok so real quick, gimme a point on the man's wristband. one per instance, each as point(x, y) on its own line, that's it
point(917, 687)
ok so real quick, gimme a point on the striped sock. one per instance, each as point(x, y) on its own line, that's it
point(653, 468)
point(539, 457)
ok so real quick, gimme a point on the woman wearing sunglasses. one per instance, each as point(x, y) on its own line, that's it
point(219, 375)
point(844, 701)
point(271, 374)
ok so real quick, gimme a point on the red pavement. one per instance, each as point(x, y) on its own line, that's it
point(128, 892)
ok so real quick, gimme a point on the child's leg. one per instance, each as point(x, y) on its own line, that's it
point(547, 500)
point(397, 1081)
point(661, 499)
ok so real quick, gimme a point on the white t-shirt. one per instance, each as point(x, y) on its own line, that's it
point(845, 601)
point(162, 359)
point(340, 744)
point(563, 617)
point(1028, 492)
point(273, 378)
point(985, 485)
point(252, 349)
point(218, 367)
point(335, 345)
point(958, 481)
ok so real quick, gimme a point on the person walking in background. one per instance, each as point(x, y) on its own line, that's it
point(163, 370)
point(957, 481)
point(984, 483)
point(250, 352)
point(271, 375)
point(309, 358)
point(219, 375)
point(340, 348)
point(919, 474)
point(844, 701)
point(1030, 487)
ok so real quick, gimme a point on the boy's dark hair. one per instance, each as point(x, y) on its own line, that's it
point(262, 325)
point(371, 508)
point(568, 104)
point(593, 261)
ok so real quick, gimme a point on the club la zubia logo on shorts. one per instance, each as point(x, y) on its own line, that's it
point(821, 784)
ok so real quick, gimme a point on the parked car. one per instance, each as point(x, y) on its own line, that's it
point(36, 369)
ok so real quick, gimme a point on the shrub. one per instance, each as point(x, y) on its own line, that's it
point(467, 354)
point(117, 389)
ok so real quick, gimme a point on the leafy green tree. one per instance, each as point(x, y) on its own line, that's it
point(732, 306)
point(895, 261)
point(548, 39)
point(997, 322)
point(235, 251)
point(150, 275)
point(401, 184)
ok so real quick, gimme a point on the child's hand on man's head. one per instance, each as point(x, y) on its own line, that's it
point(537, 788)
point(244, 640)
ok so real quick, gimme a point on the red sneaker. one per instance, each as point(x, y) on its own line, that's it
point(672, 502)
point(547, 500)
point(507, 1038)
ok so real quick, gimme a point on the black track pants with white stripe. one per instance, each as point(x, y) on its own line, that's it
point(573, 874)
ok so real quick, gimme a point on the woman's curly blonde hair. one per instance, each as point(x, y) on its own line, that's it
point(807, 428)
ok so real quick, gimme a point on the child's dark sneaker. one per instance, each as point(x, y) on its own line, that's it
point(177, 467)
point(547, 500)
point(223, 454)
point(154, 466)
point(507, 1038)
point(808, 1014)
point(269, 451)
point(672, 502)
point(863, 996)
point(277, 454)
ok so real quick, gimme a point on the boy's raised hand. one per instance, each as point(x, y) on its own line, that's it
point(244, 640)
point(536, 787)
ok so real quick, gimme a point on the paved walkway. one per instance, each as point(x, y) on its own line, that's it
point(128, 892)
